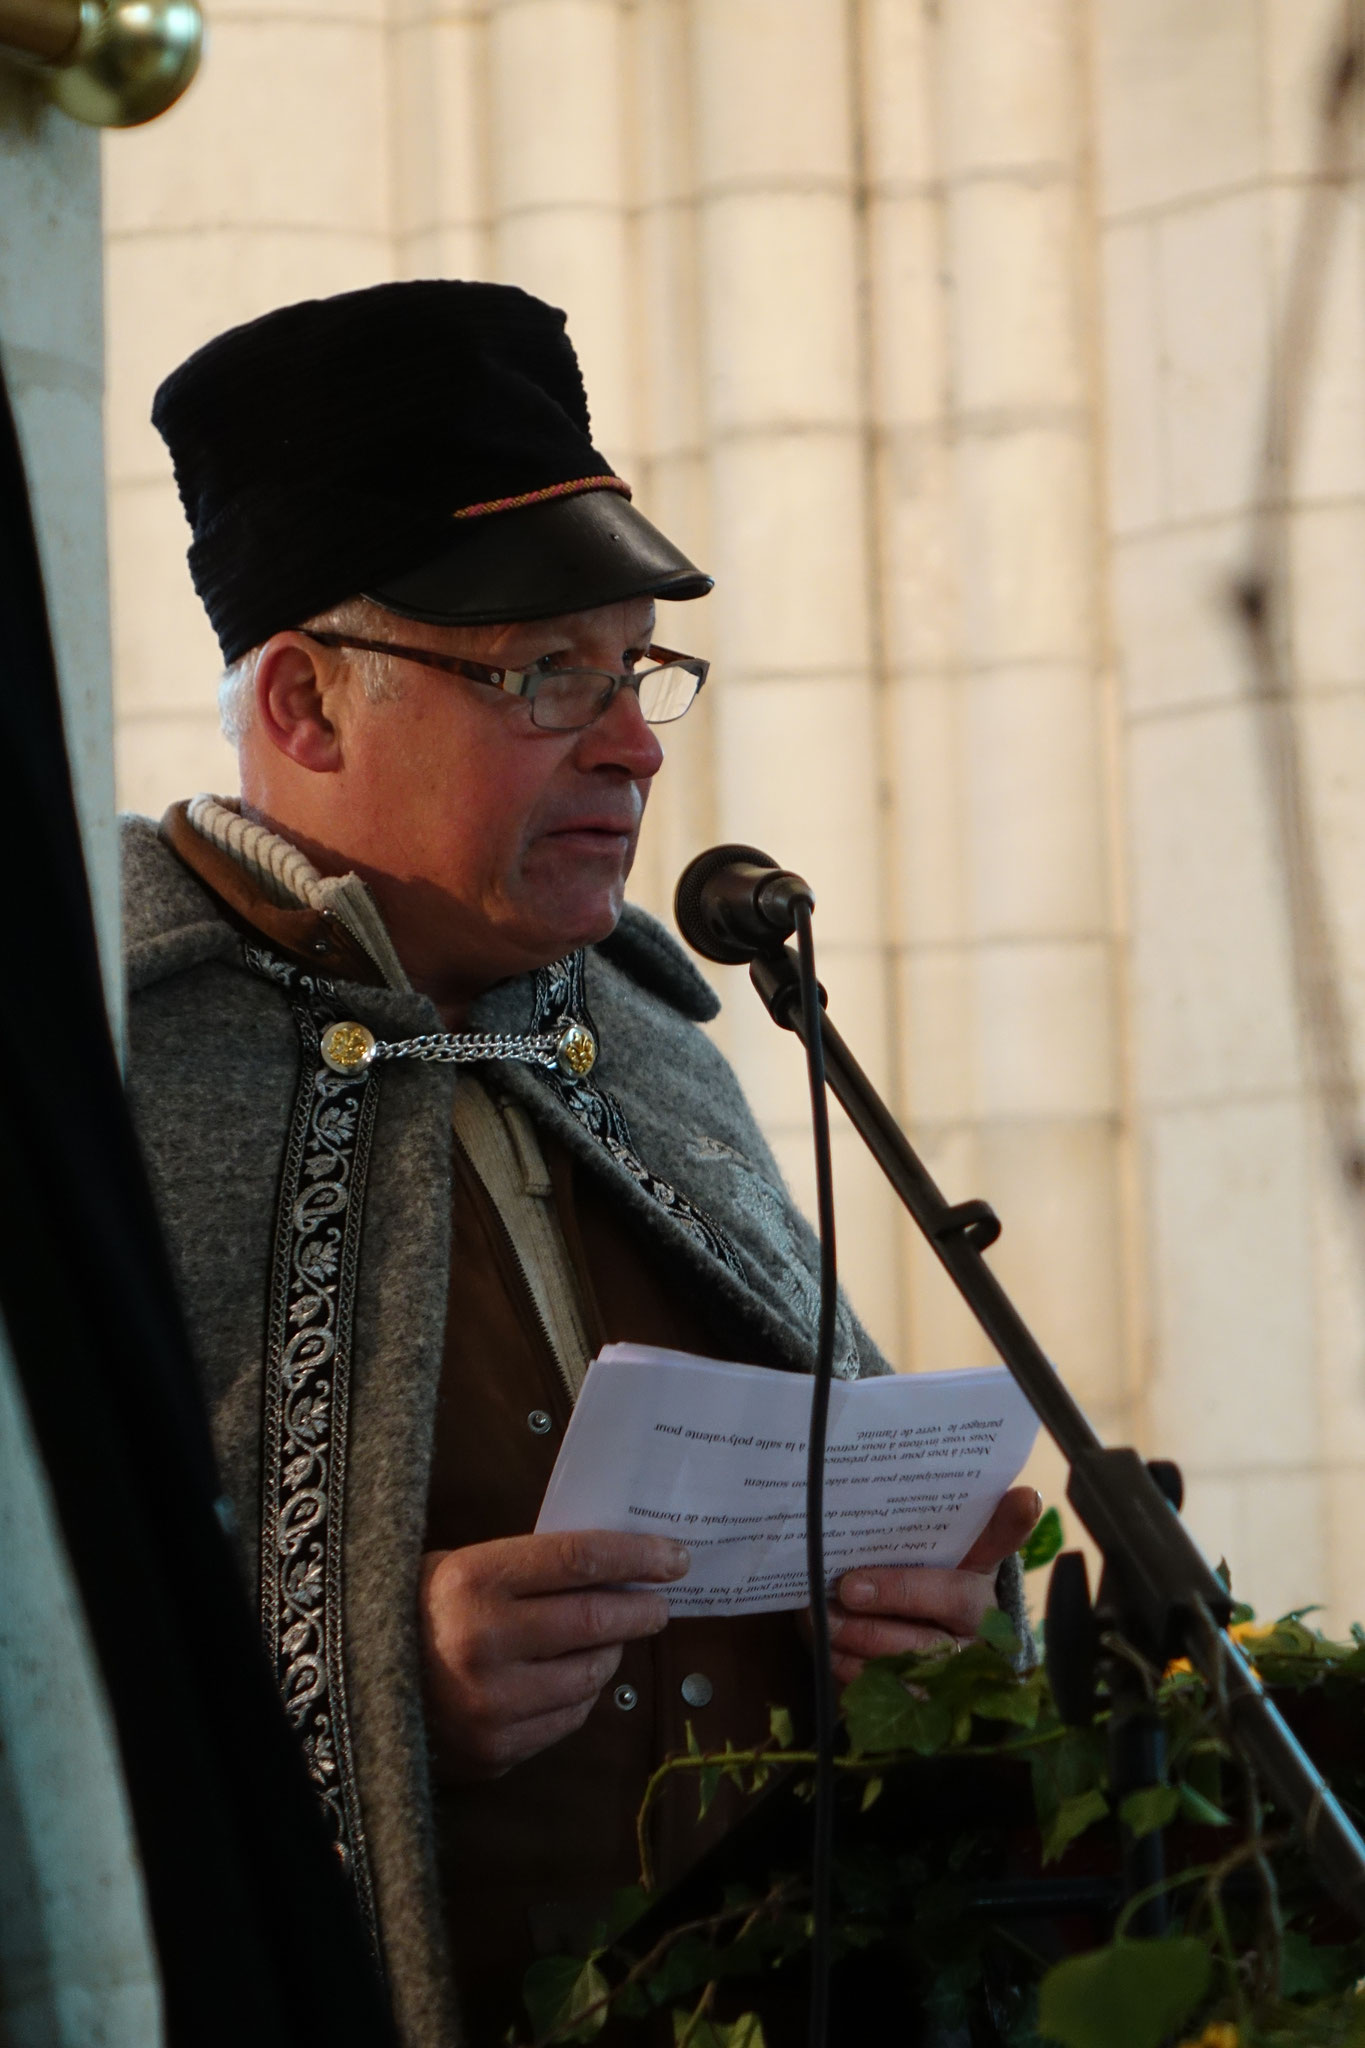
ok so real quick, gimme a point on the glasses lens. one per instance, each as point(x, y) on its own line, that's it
point(570, 698)
point(665, 693)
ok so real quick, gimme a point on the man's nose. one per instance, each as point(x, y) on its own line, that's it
point(621, 738)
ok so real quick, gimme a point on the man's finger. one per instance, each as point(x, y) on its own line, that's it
point(951, 1601)
point(1008, 1528)
point(524, 1692)
point(522, 1566)
point(558, 1624)
point(860, 1638)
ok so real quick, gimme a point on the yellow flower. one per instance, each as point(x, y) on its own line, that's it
point(1249, 1633)
point(1217, 2034)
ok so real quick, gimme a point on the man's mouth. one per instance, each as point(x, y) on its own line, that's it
point(597, 834)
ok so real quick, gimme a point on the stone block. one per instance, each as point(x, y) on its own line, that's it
point(444, 252)
point(1027, 528)
point(313, 154)
point(668, 330)
point(1013, 250)
point(166, 659)
point(1178, 105)
point(790, 555)
point(1297, 41)
point(440, 124)
point(162, 758)
point(1328, 460)
point(780, 353)
point(898, 94)
point(1180, 643)
point(1034, 850)
point(795, 761)
point(772, 92)
point(926, 770)
point(936, 1039)
point(1233, 1384)
point(1045, 1029)
point(920, 570)
point(1054, 1185)
point(1331, 731)
point(578, 258)
point(1214, 287)
point(1010, 85)
point(908, 310)
point(1213, 1003)
point(1279, 1541)
point(555, 104)
point(168, 293)
point(1134, 398)
point(1342, 1511)
point(661, 97)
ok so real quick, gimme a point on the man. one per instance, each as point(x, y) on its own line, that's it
point(429, 1117)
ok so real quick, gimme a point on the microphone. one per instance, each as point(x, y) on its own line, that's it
point(733, 903)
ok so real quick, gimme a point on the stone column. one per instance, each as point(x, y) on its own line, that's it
point(1005, 904)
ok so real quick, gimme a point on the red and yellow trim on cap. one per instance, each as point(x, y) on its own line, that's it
point(582, 483)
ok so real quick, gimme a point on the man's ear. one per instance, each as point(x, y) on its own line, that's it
point(292, 698)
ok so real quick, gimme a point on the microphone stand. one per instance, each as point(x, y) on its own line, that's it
point(1158, 1598)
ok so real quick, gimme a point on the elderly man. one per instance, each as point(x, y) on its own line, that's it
point(429, 1118)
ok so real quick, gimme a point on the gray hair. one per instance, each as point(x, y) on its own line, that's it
point(377, 678)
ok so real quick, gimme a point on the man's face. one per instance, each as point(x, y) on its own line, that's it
point(492, 845)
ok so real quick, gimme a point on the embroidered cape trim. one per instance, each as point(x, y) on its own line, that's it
point(560, 993)
point(307, 1401)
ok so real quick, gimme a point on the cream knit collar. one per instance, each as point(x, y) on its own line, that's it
point(290, 881)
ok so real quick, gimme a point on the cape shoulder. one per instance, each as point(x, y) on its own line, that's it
point(643, 949)
point(170, 920)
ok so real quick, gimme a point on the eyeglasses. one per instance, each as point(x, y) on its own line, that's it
point(561, 699)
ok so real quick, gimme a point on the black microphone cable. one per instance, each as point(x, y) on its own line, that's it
point(822, 1855)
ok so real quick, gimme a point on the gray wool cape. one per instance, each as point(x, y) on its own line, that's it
point(308, 1221)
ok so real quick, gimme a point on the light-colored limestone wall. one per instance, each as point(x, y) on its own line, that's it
point(76, 1965)
point(270, 181)
point(1206, 137)
point(939, 332)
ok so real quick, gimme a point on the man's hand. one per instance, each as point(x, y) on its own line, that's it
point(884, 1612)
point(520, 1636)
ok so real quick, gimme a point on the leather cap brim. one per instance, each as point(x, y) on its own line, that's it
point(565, 555)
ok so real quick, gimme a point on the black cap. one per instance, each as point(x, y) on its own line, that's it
point(426, 444)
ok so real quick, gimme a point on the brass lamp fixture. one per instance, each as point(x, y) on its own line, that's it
point(109, 63)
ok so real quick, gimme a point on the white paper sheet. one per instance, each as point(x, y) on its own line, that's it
point(715, 1455)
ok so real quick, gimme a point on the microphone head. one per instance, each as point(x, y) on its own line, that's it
point(689, 912)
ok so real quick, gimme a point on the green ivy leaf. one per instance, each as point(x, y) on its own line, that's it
point(1130, 1995)
point(745, 2032)
point(1018, 1703)
point(1200, 1810)
point(1072, 1818)
point(558, 1990)
point(627, 1904)
point(708, 1784)
point(998, 1630)
point(1310, 1971)
point(1155, 1806)
point(1044, 1543)
point(780, 1727)
point(881, 1714)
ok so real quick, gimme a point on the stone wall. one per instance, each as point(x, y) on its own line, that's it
point(940, 332)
